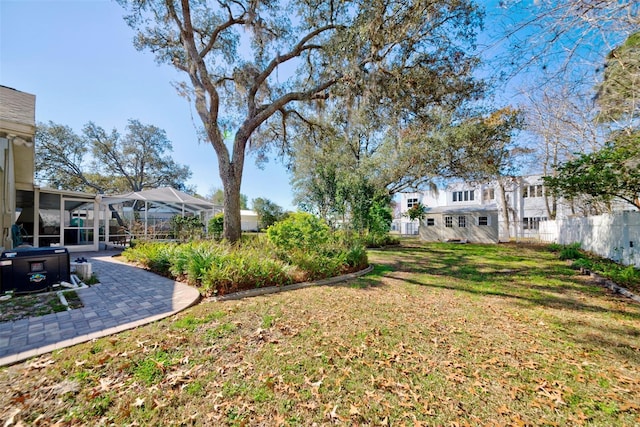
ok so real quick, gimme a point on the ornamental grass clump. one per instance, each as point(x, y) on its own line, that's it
point(157, 257)
point(244, 269)
point(192, 260)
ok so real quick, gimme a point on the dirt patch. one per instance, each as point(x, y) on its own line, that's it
point(23, 306)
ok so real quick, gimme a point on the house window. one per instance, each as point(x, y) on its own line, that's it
point(488, 194)
point(448, 221)
point(431, 222)
point(462, 221)
point(412, 202)
point(463, 196)
point(532, 223)
point(483, 220)
point(533, 191)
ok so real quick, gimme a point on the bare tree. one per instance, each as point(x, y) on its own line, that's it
point(561, 124)
point(565, 40)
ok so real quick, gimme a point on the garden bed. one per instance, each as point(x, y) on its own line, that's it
point(23, 306)
point(299, 249)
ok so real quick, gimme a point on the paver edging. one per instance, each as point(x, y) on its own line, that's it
point(28, 354)
point(276, 289)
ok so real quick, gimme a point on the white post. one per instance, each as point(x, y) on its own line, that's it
point(146, 208)
point(107, 220)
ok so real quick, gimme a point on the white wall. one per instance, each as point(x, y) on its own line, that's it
point(615, 236)
point(472, 232)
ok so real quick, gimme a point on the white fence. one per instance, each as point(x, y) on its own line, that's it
point(615, 236)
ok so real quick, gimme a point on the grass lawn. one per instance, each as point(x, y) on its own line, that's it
point(438, 334)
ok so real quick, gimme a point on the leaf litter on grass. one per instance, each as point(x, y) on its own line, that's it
point(421, 343)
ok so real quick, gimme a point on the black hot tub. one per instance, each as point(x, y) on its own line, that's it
point(24, 270)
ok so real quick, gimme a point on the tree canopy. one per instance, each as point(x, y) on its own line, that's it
point(216, 196)
point(613, 171)
point(619, 93)
point(106, 162)
point(256, 67)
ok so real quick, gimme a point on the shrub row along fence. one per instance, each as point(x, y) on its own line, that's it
point(615, 236)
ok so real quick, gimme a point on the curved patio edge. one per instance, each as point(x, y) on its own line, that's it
point(185, 297)
point(276, 289)
point(188, 296)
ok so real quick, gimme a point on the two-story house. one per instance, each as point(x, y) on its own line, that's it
point(483, 213)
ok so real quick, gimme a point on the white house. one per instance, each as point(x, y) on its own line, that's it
point(476, 213)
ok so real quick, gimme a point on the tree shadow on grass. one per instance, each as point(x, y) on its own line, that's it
point(514, 276)
point(538, 299)
point(527, 280)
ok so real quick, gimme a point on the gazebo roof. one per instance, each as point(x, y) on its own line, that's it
point(166, 196)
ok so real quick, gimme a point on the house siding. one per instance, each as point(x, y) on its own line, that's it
point(472, 232)
point(17, 154)
point(525, 201)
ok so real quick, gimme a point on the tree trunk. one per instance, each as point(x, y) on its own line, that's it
point(231, 175)
point(504, 206)
point(232, 222)
point(551, 205)
point(118, 218)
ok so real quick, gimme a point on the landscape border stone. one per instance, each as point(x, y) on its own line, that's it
point(611, 285)
point(275, 289)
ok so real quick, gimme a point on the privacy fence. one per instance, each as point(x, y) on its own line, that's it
point(615, 236)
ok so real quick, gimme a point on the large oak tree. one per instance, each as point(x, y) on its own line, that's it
point(107, 162)
point(253, 66)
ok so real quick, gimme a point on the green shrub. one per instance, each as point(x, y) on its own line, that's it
point(379, 240)
point(329, 260)
point(191, 261)
point(316, 265)
point(154, 255)
point(356, 257)
point(242, 269)
point(582, 263)
point(571, 251)
point(220, 268)
point(299, 230)
point(216, 226)
point(555, 247)
point(622, 275)
point(628, 274)
point(186, 227)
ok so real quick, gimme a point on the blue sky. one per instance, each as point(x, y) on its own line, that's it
point(77, 57)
